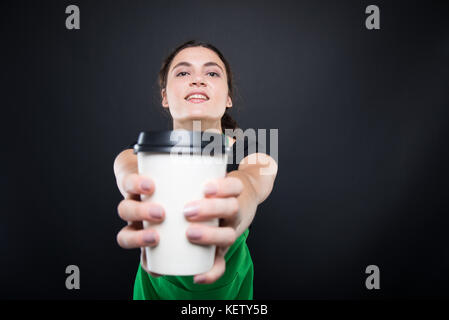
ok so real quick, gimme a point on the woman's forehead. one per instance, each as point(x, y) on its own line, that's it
point(197, 56)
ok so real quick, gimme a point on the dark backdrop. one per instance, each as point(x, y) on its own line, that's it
point(363, 150)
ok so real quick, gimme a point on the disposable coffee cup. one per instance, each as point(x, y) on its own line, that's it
point(180, 162)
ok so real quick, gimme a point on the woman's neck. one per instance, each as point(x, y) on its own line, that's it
point(198, 125)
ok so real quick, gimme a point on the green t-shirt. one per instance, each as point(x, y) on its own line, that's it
point(235, 284)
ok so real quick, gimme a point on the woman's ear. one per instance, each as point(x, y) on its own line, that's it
point(164, 98)
point(229, 102)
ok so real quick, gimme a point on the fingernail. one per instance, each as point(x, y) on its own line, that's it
point(149, 237)
point(210, 188)
point(194, 233)
point(199, 279)
point(156, 212)
point(146, 185)
point(191, 210)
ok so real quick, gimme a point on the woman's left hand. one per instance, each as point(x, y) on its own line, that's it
point(220, 202)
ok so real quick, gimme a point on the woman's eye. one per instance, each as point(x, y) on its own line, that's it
point(182, 73)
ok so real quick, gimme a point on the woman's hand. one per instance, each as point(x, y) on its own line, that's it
point(134, 211)
point(220, 202)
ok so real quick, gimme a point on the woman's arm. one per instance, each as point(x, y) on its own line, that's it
point(124, 163)
point(257, 172)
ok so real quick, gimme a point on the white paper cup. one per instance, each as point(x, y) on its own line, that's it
point(180, 162)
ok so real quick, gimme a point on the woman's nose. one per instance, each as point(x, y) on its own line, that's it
point(198, 81)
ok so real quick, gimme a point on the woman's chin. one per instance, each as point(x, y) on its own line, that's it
point(197, 112)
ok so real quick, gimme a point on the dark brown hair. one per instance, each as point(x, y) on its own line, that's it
point(227, 122)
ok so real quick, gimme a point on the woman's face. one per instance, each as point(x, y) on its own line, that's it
point(196, 70)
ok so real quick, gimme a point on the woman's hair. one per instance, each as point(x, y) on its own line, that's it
point(227, 122)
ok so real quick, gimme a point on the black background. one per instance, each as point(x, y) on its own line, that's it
point(363, 150)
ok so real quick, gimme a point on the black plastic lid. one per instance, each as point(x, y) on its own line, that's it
point(181, 141)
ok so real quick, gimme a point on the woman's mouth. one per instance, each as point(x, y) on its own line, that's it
point(197, 98)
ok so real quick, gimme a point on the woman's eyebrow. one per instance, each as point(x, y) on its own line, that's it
point(187, 64)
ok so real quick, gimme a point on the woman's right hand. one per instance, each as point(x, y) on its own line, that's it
point(134, 211)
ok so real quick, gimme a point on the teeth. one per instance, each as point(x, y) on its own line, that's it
point(197, 96)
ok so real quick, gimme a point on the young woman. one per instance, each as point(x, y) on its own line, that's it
point(196, 85)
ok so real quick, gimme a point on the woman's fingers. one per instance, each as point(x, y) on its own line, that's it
point(209, 208)
point(130, 237)
point(223, 187)
point(132, 210)
point(207, 235)
point(134, 183)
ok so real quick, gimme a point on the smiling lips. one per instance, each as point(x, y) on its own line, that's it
point(197, 98)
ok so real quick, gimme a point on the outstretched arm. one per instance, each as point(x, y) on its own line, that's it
point(257, 172)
